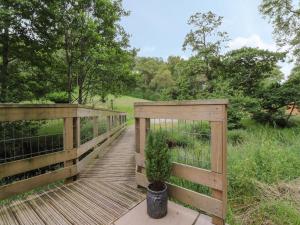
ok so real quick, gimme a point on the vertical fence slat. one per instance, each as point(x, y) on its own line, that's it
point(95, 126)
point(68, 141)
point(217, 160)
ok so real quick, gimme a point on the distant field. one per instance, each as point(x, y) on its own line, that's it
point(122, 103)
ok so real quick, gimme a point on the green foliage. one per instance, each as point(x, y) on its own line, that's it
point(246, 68)
point(237, 137)
point(285, 17)
point(58, 97)
point(74, 46)
point(158, 158)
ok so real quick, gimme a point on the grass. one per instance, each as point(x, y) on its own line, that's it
point(121, 103)
point(263, 165)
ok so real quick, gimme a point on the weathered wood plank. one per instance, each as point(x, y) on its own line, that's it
point(181, 112)
point(37, 181)
point(24, 165)
point(203, 202)
point(197, 175)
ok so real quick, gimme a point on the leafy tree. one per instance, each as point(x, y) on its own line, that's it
point(285, 17)
point(27, 39)
point(247, 68)
point(172, 63)
point(206, 40)
point(163, 79)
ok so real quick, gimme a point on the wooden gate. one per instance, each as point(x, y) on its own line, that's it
point(213, 111)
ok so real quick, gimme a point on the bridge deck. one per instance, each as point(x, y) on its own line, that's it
point(103, 193)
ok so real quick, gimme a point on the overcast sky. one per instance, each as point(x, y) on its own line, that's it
point(158, 27)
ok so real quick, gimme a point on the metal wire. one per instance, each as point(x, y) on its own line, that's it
point(189, 141)
point(24, 139)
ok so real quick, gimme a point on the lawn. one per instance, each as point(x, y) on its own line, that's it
point(121, 103)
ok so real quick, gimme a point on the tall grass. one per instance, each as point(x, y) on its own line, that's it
point(263, 163)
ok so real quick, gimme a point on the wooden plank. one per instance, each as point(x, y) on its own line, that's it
point(142, 136)
point(141, 180)
point(197, 175)
point(24, 165)
point(95, 141)
point(76, 132)
point(190, 173)
point(137, 135)
point(193, 112)
point(205, 203)
point(36, 181)
point(216, 146)
point(69, 142)
point(217, 163)
point(95, 126)
point(92, 155)
point(92, 143)
point(224, 158)
point(16, 114)
point(185, 103)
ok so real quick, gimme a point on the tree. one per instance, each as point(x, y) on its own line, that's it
point(206, 40)
point(285, 17)
point(163, 79)
point(27, 40)
point(94, 45)
point(247, 68)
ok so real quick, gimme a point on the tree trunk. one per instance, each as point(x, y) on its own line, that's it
point(80, 94)
point(69, 66)
point(4, 68)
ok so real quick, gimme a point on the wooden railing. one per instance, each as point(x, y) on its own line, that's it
point(68, 160)
point(213, 111)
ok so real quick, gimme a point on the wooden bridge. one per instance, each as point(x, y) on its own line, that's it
point(101, 172)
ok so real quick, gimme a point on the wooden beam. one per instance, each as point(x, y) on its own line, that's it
point(180, 112)
point(36, 181)
point(217, 163)
point(205, 203)
point(185, 103)
point(82, 163)
point(24, 165)
point(17, 114)
point(69, 142)
point(197, 175)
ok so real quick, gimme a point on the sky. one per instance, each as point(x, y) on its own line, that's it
point(158, 27)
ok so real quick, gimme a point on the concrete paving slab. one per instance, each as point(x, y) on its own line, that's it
point(177, 215)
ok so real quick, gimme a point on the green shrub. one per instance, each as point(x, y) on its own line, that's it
point(58, 97)
point(236, 137)
point(177, 139)
point(200, 130)
point(158, 158)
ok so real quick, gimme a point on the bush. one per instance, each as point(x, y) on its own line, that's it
point(58, 97)
point(236, 137)
point(277, 119)
point(158, 158)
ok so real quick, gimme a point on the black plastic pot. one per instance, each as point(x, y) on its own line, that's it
point(157, 202)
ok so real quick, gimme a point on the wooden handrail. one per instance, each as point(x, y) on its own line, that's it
point(213, 111)
point(75, 155)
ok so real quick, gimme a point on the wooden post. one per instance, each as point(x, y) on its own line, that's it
point(142, 127)
point(68, 142)
point(217, 162)
point(108, 123)
point(95, 126)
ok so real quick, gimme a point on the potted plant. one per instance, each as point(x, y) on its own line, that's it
point(158, 171)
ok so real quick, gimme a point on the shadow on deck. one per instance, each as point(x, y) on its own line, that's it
point(104, 193)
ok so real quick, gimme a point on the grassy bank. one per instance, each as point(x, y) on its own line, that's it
point(263, 170)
